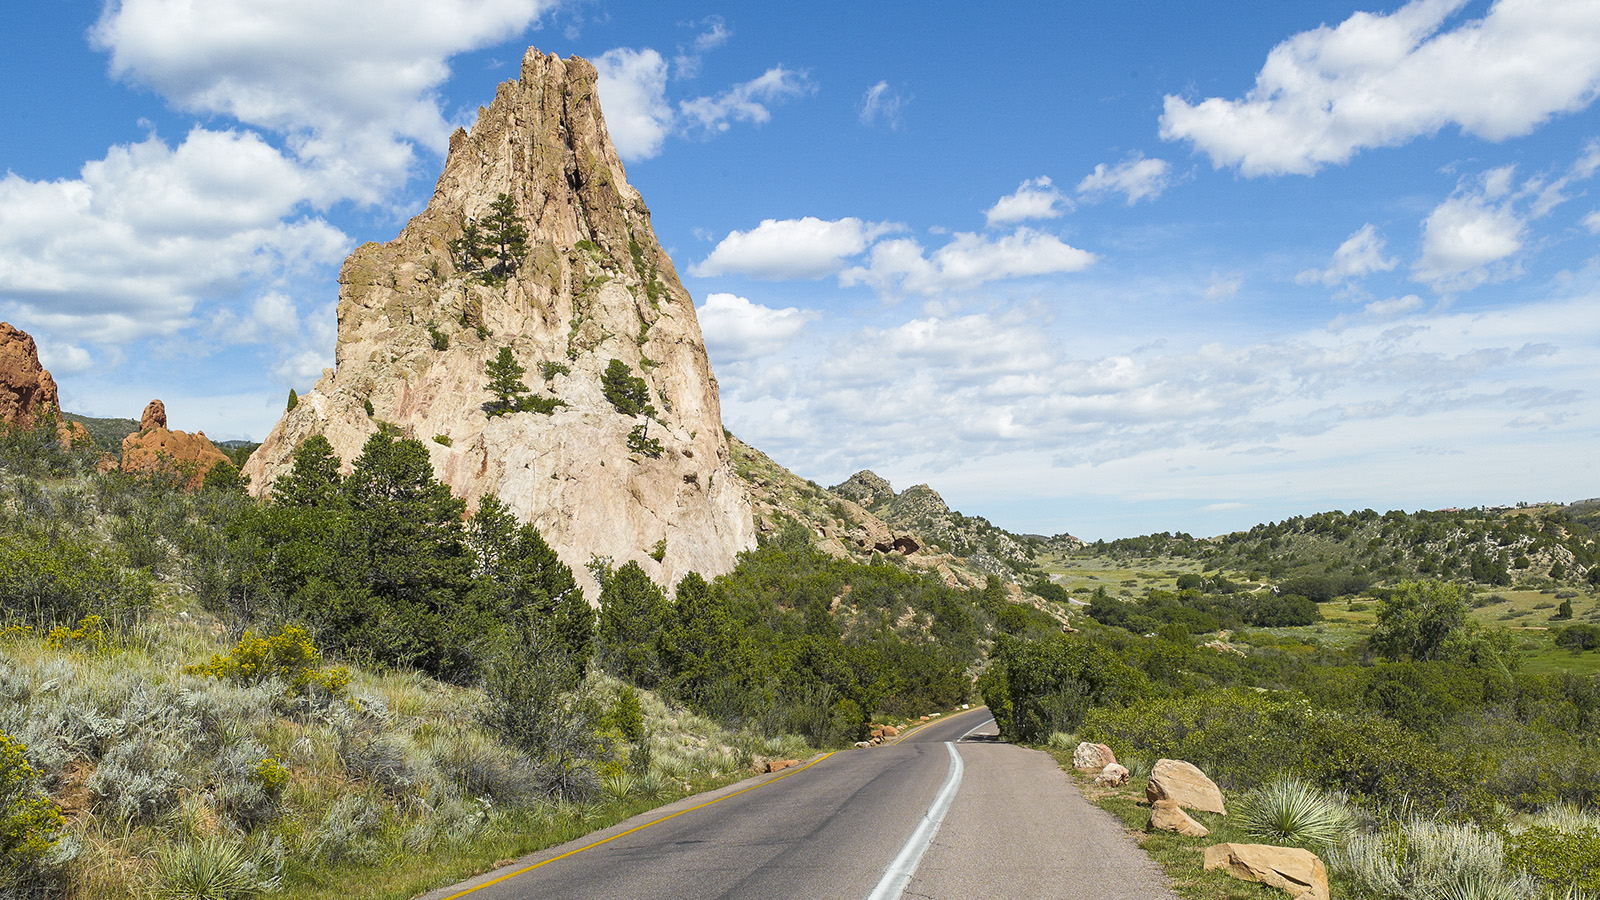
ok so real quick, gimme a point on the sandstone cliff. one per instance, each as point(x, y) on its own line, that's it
point(154, 448)
point(417, 328)
point(27, 391)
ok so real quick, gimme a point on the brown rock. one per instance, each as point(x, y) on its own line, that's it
point(1114, 775)
point(595, 286)
point(1300, 872)
point(1176, 780)
point(1089, 757)
point(155, 449)
point(890, 731)
point(1167, 816)
point(778, 765)
point(26, 390)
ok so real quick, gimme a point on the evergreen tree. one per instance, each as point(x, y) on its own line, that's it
point(505, 383)
point(627, 392)
point(314, 479)
point(633, 612)
point(492, 248)
point(223, 478)
point(294, 400)
point(702, 649)
point(522, 576)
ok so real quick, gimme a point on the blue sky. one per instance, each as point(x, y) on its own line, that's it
point(1109, 271)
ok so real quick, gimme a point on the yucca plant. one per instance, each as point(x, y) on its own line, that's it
point(211, 869)
point(1483, 886)
point(1289, 811)
point(620, 785)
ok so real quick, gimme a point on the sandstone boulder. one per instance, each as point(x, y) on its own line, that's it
point(1300, 872)
point(418, 322)
point(1114, 775)
point(26, 390)
point(890, 731)
point(1168, 816)
point(1089, 756)
point(1184, 784)
point(153, 448)
point(778, 765)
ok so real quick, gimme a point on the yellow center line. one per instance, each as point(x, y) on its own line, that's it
point(921, 725)
point(680, 812)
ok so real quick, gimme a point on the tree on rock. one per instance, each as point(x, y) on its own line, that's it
point(493, 247)
point(505, 383)
point(627, 392)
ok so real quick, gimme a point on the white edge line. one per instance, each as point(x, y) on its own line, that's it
point(975, 728)
point(900, 871)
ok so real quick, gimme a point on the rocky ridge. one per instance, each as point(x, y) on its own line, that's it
point(418, 326)
point(156, 448)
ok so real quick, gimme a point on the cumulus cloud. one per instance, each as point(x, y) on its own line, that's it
point(1136, 178)
point(882, 103)
point(736, 329)
point(633, 91)
point(1361, 254)
point(791, 248)
point(1467, 233)
point(128, 248)
point(1384, 80)
point(966, 262)
point(1223, 286)
point(354, 89)
point(1035, 198)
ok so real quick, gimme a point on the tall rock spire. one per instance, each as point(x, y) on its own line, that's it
point(419, 322)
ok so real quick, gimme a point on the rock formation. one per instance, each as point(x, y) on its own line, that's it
point(1300, 872)
point(26, 389)
point(1184, 784)
point(153, 448)
point(419, 321)
point(1167, 815)
point(1087, 757)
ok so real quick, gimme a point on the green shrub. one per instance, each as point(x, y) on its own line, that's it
point(549, 369)
point(1566, 860)
point(442, 440)
point(1035, 688)
point(438, 339)
point(30, 824)
point(288, 655)
point(1426, 858)
point(628, 393)
point(1289, 811)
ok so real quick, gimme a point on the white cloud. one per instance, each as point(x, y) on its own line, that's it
point(1592, 222)
point(967, 261)
point(353, 87)
point(1361, 254)
point(1384, 80)
point(1467, 233)
point(1136, 178)
point(129, 247)
point(745, 102)
point(736, 329)
point(633, 93)
point(1223, 287)
point(64, 359)
point(1035, 198)
point(686, 64)
point(881, 102)
point(790, 248)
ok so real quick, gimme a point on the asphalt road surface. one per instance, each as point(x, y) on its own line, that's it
point(962, 814)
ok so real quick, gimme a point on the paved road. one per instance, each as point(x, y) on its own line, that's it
point(1016, 828)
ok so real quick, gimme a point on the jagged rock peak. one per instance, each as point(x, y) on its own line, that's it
point(420, 319)
point(155, 416)
point(866, 488)
point(919, 501)
point(26, 388)
point(153, 448)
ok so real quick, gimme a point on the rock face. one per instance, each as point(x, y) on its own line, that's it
point(417, 327)
point(1300, 872)
point(26, 389)
point(153, 448)
point(866, 488)
point(1185, 785)
point(1166, 815)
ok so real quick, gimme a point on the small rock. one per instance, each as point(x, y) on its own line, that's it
point(1300, 872)
point(890, 731)
point(860, 744)
point(1114, 775)
point(778, 765)
point(1167, 816)
point(1089, 756)
point(1186, 785)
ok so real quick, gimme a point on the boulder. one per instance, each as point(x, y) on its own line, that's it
point(778, 765)
point(890, 731)
point(1185, 785)
point(1168, 816)
point(1114, 775)
point(1300, 872)
point(1089, 756)
point(153, 448)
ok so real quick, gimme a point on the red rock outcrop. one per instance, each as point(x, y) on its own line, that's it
point(26, 390)
point(154, 448)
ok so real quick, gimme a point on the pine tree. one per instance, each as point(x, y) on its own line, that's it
point(294, 400)
point(633, 614)
point(314, 479)
point(505, 383)
point(627, 392)
point(493, 247)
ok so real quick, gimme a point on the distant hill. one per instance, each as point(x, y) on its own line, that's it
point(107, 433)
